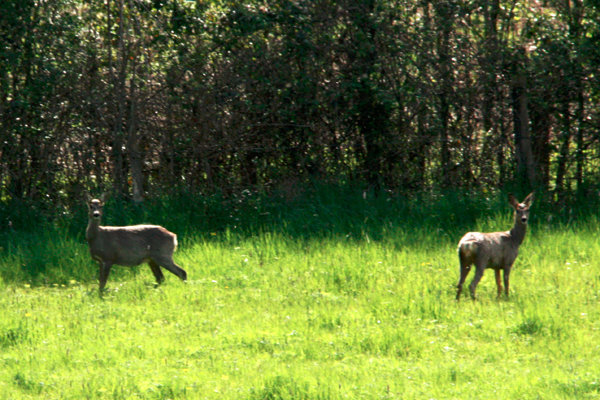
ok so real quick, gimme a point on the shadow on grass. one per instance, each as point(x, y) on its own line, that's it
point(44, 247)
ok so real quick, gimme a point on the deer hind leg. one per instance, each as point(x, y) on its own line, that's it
point(156, 271)
point(479, 268)
point(168, 264)
point(104, 271)
point(499, 281)
point(465, 267)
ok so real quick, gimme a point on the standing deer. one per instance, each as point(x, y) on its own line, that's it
point(129, 245)
point(497, 250)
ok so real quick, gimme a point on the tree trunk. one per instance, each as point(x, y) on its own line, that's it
point(133, 147)
point(579, 155)
point(540, 136)
point(563, 156)
point(525, 164)
point(443, 16)
point(372, 117)
point(489, 63)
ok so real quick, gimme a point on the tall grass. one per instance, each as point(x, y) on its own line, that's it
point(49, 246)
point(328, 295)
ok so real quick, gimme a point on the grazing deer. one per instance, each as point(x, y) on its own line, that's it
point(497, 250)
point(129, 245)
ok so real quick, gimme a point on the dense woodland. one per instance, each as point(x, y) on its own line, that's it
point(145, 97)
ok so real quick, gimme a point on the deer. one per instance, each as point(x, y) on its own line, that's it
point(129, 245)
point(495, 250)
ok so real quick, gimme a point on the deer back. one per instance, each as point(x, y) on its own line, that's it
point(497, 249)
point(132, 245)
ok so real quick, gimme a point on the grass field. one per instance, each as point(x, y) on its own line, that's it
point(333, 298)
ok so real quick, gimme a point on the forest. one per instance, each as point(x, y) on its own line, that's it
point(144, 98)
point(317, 163)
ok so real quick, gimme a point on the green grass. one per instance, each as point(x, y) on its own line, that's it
point(361, 308)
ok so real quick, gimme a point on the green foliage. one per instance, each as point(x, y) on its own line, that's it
point(155, 97)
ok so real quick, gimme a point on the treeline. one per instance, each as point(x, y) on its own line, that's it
point(143, 97)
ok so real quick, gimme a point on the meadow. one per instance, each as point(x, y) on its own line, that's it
point(327, 294)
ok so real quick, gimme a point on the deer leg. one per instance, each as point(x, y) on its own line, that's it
point(498, 282)
point(104, 271)
point(506, 278)
point(478, 275)
point(464, 271)
point(156, 271)
point(168, 264)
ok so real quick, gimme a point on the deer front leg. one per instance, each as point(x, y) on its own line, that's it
point(104, 271)
point(506, 278)
point(498, 282)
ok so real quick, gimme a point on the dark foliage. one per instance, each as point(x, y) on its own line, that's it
point(144, 98)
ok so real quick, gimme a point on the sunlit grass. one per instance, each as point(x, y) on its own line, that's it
point(278, 314)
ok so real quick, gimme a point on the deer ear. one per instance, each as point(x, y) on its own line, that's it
point(513, 201)
point(88, 197)
point(529, 199)
point(104, 197)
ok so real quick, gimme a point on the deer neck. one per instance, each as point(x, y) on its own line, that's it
point(517, 233)
point(92, 229)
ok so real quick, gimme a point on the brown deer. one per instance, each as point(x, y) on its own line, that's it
point(497, 250)
point(129, 245)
